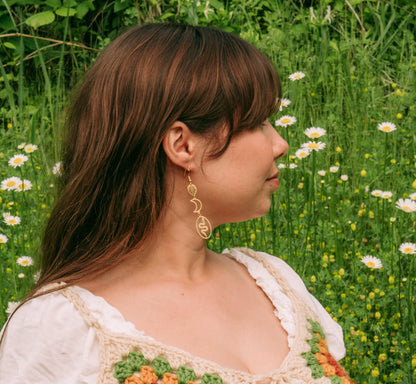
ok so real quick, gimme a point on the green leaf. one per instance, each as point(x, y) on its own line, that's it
point(65, 11)
point(53, 3)
point(41, 18)
point(9, 45)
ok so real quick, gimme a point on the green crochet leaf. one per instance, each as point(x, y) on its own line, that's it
point(185, 374)
point(161, 366)
point(310, 358)
point(316, 328)
point(335, 379)
point(317, 371)
point(136, 361)
point(207, 378)
point(123, 370)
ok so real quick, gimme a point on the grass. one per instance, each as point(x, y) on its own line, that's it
point(357, 76)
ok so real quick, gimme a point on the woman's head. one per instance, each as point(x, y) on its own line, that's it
point(114, 164)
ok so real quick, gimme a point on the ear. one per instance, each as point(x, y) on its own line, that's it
point(179, 145)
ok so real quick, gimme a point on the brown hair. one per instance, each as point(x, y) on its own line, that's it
point(113, 162)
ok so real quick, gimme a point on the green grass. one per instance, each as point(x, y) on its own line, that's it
point(322, 226)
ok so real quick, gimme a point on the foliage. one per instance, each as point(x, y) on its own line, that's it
point(359, 61)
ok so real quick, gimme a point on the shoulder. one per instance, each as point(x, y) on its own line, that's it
point(46, 340)
point(332, 329)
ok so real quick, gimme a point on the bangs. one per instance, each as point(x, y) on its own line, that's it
point(251, 85)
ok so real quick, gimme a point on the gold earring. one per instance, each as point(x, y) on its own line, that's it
point(203, 226)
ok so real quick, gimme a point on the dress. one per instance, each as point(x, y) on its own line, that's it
point(73, 336)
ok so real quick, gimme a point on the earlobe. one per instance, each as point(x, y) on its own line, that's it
point(179, 145)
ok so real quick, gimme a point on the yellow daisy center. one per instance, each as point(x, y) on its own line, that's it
point(371, 264)
point(297, 76)
point(11, 221)
point(408, 250)
point(406, 208)
point(314, 135)
point(286, 120)
point(24, 262)
point(313, 145)
point(11, 183)
point(18, 160)
point(302, 154)
point(386, 128)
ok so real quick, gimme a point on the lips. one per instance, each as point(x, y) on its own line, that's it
point(274, 176)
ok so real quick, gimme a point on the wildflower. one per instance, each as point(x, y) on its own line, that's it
point(24, 185)
point(314, 146)
point(25, 261)
point(284, 103)
point(286, 120)
point(392, 219)
point(21, 275)
point(406, 205)
point(344, 177)
point(10, 184)
point(12, 305)
point(296, 76)
point(292, 165)
point(413, 196)
point(17, 160)
point(333, 169)
point(363, 173)
point(386, 194)
point(29, 148)
point(3, 239)
point(11, 220)
point(281, 166)
point(386, 127)
point(377, 193)
point(372, 262)
point(57, 168)
point(302, 153)
point(338, 149)
point(314, 132)
point(408, 248)
point(322, 172)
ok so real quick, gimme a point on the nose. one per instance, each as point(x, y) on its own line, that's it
point(279, 144)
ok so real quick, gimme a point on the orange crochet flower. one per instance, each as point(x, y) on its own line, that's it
point(168, 378)
point(148, 375)
point(133, 380)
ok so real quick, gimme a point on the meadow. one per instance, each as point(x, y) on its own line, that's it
point(344, 216)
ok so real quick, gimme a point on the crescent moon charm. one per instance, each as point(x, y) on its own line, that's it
point(198, 205)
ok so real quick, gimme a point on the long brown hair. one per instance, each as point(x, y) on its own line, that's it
point(113, 162)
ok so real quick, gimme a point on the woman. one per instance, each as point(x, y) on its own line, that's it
point(168, 137)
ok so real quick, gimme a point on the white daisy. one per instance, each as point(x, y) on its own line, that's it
point(11, 220)
point(3, 239)
point(302, 153)
point(386, 127)
point(281, 166)
point(29, 148)
point(333, 169)
point(408, 248)
point(17, 160)
point(12, 305)
point(25, 261)
point(314, 132)
point(372, 262)
point(322, 172)
point(21, 146)
point(292, 165)
point(24, 185)
point(386, 194)
point(392, 219)
point(344, 177)
point(406, 205)
point(296, 76)
point(284, 121)
point(284, 103)
point(313, 145)
point(57, 168)
point(21, 275)
point(36, 276)
point(377, 193)
point(413, 196)
point(10, 184)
